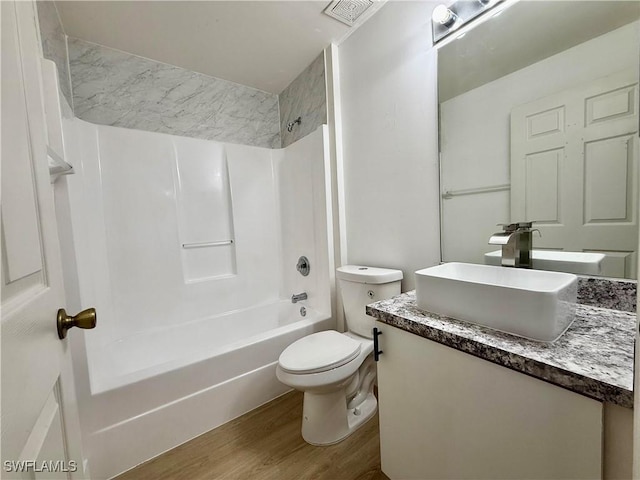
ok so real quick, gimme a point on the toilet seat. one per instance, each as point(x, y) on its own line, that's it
point(319, 352)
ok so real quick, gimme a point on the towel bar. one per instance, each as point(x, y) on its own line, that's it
point(207, 244)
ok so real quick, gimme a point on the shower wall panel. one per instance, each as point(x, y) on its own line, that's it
point(302, 171)
point(127, 192)
point(205, 213)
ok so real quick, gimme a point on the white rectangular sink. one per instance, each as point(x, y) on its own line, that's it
point(581, 263)
point(530, 303)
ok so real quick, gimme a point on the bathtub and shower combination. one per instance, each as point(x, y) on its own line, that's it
point(188, 250)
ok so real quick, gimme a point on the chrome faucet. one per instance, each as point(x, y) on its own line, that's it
point(516, 242)
point(295, 298)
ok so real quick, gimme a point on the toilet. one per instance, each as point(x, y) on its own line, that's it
point(336, 370)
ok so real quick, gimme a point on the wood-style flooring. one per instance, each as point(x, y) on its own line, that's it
point(266, 444)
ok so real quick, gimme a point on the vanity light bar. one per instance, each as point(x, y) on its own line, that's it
point(446, 20)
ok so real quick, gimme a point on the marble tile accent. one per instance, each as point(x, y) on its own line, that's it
point(305, 97)
point(617, 294)
point(115, 88)
point(54, 46)
point(594, 357)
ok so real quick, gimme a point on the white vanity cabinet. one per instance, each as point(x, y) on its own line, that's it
point(445, 414)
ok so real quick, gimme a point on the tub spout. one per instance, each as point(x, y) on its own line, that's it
point(298, 296)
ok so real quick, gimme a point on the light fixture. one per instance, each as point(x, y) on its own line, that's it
point(447, 19)
point(444, 16)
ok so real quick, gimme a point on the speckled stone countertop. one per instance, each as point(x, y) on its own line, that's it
point(614, 293)
point(594, 357)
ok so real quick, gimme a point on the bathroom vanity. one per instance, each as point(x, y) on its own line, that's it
point(459, 400)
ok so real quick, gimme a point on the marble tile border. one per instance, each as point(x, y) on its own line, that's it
point(305, 97)
point(109, 87)
point(116, 88)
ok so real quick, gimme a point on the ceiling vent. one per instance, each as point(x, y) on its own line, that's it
point(348, 11)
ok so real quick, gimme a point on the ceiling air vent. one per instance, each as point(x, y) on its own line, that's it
point(347, 11)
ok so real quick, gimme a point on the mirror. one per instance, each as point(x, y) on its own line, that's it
point(538, 112)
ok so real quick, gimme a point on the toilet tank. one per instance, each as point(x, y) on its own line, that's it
point(360, 286)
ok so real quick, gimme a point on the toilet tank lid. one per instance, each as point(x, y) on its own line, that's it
point(372, 275)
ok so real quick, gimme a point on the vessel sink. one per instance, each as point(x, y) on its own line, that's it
point(534, 304)
point(555, 260)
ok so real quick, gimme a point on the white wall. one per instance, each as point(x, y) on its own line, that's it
point(389, 118)
point(475, 135)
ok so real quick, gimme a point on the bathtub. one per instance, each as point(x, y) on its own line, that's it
point(159, 389)
point(237, 342)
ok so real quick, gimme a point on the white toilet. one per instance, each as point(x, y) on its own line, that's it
point(336, 370)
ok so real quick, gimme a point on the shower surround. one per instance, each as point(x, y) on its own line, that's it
point(188, 249)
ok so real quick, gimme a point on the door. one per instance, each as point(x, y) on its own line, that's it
point(574, 165)
point(35, 440)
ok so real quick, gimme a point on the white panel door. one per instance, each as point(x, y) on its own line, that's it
point(33, 440)
point(574, 161)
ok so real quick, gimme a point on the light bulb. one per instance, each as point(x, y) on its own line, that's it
point(444, 16)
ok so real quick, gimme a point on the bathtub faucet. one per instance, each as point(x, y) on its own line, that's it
point(295, 298)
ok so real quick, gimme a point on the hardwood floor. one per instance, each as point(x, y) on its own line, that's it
point(266, 444)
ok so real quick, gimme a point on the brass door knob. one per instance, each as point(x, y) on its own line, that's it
point(85, 319)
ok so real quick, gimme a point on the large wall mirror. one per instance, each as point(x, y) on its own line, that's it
point(539, 122)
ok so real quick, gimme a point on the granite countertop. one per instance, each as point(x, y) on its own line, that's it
point(594, 357)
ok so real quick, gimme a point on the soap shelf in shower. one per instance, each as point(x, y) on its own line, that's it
point(207, 244)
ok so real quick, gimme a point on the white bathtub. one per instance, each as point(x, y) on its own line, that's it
point(253, 334)
point(157, 390)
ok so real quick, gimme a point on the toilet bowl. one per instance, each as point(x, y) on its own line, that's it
point(336, 370)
